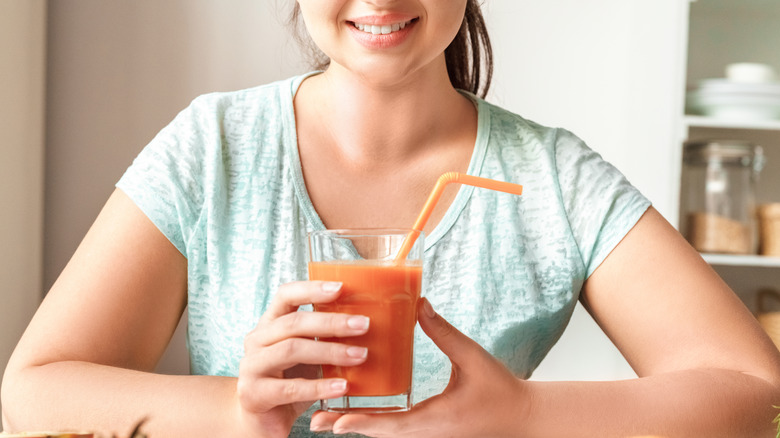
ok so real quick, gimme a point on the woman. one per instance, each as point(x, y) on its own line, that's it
point(213, 215)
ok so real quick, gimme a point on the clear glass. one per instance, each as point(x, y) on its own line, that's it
point(386, 290)
point(718, 211)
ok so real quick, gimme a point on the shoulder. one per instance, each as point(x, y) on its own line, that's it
point(510, 129)
point(267, 98)
point(220, 121)
point(516, 140)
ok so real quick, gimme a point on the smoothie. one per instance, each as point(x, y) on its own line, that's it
point(387, 293)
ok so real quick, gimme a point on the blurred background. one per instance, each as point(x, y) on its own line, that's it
point(85, 84)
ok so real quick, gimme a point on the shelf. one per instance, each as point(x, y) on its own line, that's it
point(711, 122)
point(742, 260)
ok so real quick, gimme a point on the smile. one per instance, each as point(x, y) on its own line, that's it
point(384, 29)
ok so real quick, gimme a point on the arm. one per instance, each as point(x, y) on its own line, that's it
point(86, 359)
point(706, 369)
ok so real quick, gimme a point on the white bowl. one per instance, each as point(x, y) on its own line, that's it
point(750, 72)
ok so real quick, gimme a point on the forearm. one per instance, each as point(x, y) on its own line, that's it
point(83, 396)
point(696, 403)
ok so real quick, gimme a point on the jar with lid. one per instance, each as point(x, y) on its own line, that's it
point(718, 206)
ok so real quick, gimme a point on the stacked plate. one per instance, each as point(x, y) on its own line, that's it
point(745, 94)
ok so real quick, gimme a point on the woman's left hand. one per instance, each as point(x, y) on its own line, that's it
point(483, 398)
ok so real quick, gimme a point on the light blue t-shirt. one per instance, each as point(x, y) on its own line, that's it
point(223, 182)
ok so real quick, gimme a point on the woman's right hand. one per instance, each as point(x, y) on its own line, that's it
point(278, 378)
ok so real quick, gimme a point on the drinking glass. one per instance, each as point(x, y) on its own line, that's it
point(386, 290)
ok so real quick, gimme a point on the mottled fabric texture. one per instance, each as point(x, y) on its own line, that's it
point(223, 182)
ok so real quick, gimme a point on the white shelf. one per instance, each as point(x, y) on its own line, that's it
point(711, 122)
point(742, 260)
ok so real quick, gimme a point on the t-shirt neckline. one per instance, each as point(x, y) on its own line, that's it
point(290, 145)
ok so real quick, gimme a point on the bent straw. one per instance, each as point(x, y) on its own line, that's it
point(433, 198)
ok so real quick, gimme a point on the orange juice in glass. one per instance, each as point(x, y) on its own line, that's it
point(385, 290)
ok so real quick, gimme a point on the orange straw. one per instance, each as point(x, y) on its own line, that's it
point(433, 198)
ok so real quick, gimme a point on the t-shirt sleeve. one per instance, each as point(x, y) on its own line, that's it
point(165, 179)
point(601, 205)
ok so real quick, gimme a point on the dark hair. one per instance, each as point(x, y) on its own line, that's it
point(469, 56)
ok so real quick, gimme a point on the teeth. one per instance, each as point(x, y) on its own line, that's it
point(381, 30)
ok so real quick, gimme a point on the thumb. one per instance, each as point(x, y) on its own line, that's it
point(450, 340)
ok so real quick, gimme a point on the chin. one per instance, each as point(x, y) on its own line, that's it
point(388, 74)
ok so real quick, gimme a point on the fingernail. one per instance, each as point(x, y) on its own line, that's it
point(331, 287)
point(428, 309)
point(358, 322)
point(357, 352)
point(338, 385)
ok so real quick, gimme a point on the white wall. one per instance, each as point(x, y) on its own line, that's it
point(22, 56)
point(609, 70)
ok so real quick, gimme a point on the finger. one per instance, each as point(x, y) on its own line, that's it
point(307, 325)
point(322, 421)
point(388, 425)
point(450, 340)
point(292, 295)
point(429, 418)
point(274, 359)
point(262, 395)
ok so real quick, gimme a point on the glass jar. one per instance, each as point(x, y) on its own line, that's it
point(718, 206)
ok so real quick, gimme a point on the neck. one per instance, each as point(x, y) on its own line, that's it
point(381, 122)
